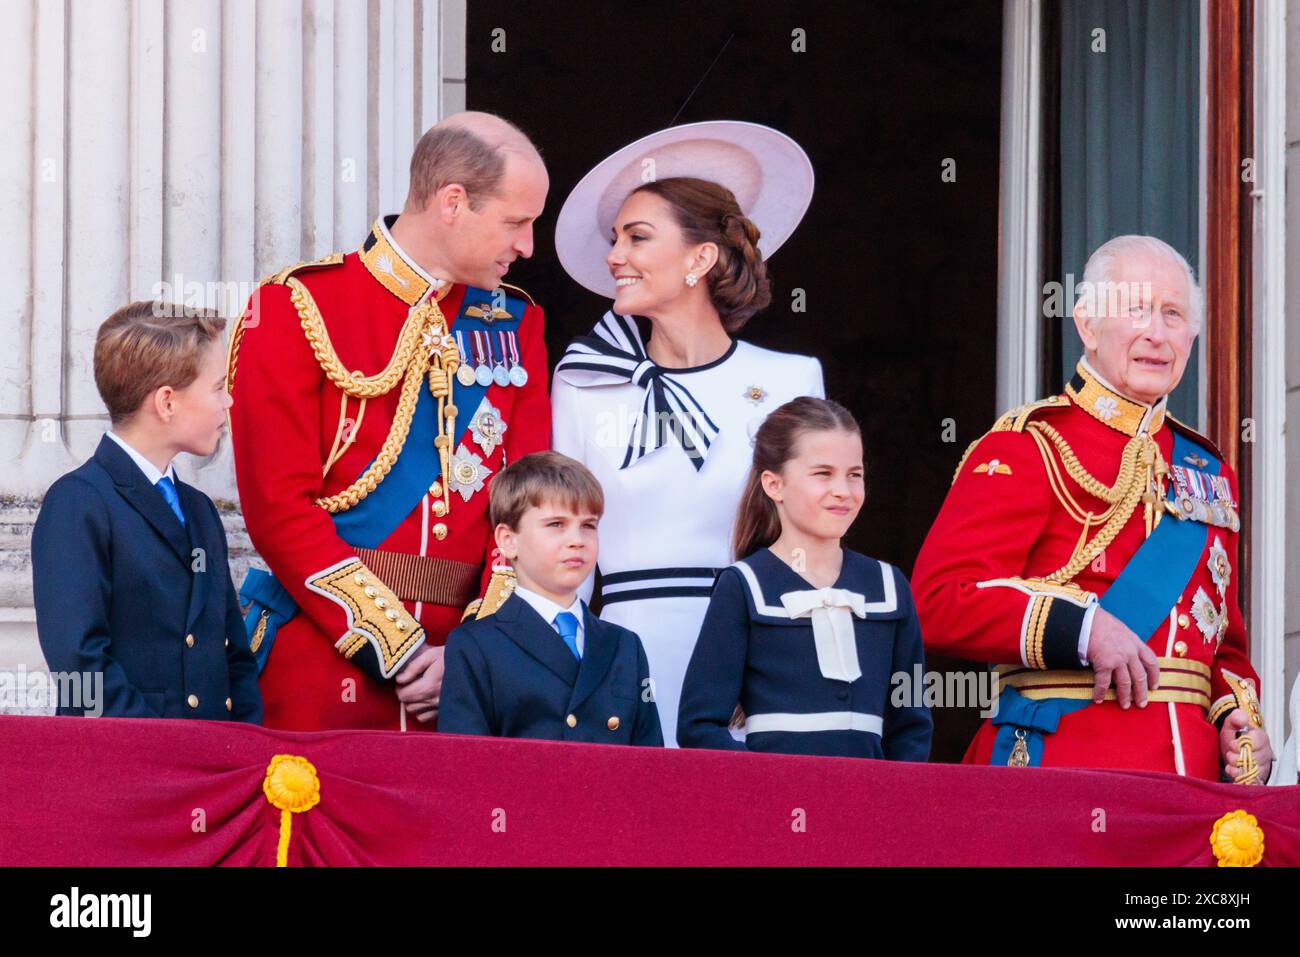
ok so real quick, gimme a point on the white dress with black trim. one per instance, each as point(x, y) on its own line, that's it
point(671, 492)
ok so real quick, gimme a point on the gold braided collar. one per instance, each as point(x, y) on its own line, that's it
point(1095, 396)
point(392, 268)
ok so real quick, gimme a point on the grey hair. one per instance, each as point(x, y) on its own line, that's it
point(1101, 265)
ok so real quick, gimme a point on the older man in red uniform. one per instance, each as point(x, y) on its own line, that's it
point(377, 393)
point(1087, 546)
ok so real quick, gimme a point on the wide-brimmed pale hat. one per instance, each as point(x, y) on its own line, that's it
point(769, 173)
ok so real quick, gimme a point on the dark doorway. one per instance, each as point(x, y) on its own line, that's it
point(898, 266)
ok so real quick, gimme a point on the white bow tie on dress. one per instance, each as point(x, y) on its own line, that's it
point(832, 611)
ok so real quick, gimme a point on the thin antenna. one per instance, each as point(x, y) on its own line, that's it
point(673, 121)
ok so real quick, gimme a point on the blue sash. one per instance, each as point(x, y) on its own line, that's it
point(374, 518)
point(1140, 597)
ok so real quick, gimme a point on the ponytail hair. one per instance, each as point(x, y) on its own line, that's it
point(757, 522)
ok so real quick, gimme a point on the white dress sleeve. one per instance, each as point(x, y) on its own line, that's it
point(566, 427)
point(816, 386)
point(568, 432)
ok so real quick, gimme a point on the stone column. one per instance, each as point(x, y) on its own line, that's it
point(183, 148)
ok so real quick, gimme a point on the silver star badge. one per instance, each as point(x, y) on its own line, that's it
point(1220, 567)
point(487, 427)
point(468, 473)
point(1212, 622)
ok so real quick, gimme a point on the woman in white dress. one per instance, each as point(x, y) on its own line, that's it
point(664, 412)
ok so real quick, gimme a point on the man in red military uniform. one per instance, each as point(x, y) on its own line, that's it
point(1086, 548)
point(377, 393)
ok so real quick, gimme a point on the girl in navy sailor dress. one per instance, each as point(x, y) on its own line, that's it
point(802, 637)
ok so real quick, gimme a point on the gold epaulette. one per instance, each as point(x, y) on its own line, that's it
point(1014, 421)
point(237, 331)
point(500, 587)
point(520, 292)
point(1017, 418)
point(333, 259)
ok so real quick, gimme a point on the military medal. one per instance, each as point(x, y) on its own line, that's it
point(518, 374)
point(465, 374)
point(499, 374)
point(487, 427)
point(1019, 757)
point(483, 374)
point(1200, 497)
point(468, 473)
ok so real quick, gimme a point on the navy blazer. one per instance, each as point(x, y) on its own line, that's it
point(511, 675)
point(751, 652)
point(123, 589)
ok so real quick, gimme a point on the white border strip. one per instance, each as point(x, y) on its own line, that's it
point(1020, 278)
point(819, 721)
point(887, 604)
point(1268, 492)
point(642, 584)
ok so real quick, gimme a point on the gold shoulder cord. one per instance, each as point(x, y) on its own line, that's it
point(424, 350)
point(1012, 421)
point(1141, 474)
point(237, 332)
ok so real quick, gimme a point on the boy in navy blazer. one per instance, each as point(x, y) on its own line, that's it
point(129, 564)
point(543, 666)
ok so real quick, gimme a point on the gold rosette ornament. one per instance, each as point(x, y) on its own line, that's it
point(1237, 840)
point(292, 786)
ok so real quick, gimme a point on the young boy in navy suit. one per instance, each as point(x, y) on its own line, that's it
point(543, 666)
point(128, 562)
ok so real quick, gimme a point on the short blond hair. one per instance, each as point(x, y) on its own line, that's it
point(543, 477)
point(147, 345)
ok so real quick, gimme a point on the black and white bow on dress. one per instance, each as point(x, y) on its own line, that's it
point(614, 354)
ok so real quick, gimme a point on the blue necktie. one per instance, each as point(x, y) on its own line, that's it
point(169, 493)
point(566, 623)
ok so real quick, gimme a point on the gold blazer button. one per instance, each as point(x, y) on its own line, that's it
point(571, 721)
point(612, 723)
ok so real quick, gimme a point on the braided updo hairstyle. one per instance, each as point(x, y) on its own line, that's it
point(708, 213)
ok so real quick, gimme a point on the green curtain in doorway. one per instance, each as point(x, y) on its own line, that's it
point(1129, 140)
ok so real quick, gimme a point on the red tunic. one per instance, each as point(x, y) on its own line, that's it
point(285, 420)
point(1003, 527)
